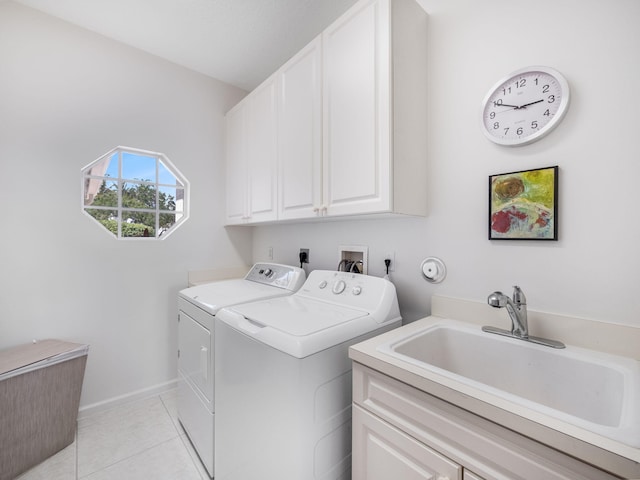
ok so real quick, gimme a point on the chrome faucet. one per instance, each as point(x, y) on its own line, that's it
point(517, 309)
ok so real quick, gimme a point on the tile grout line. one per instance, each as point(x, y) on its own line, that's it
point(166, 409)
point(133, 455)
point(128, 458)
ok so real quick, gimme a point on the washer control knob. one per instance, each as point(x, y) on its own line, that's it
point(322, 284)
point(268, 272)
point(339, 287)
point(357, 290)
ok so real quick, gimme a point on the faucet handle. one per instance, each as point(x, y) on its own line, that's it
point(518, 296)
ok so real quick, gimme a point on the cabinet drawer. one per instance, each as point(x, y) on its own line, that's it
point(381, 452)
point(489, 450)
point(467, 475)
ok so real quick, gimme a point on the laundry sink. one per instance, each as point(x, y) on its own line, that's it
point(589, 389)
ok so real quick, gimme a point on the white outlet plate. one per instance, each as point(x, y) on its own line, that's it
point(392, 256)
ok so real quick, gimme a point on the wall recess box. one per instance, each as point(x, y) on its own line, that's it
point(351, 257)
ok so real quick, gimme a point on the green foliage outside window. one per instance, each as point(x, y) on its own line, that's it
point(134, 196)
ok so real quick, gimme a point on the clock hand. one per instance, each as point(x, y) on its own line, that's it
point(528, 104)
point(506, 105)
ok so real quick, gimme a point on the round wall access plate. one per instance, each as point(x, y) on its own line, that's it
point(433, 270)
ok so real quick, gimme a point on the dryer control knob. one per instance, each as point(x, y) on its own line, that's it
point(339, 287)
point(322, 284)
point(357, 290)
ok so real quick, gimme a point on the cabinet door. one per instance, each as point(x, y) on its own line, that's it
point(300, 134)
point(382, 452)
point(261, 152)
point(356, 108)
point(194, 362)
point(236, 180)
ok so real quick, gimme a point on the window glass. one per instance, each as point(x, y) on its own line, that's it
point(135, 194)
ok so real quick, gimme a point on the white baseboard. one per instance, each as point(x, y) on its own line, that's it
point(92, 409)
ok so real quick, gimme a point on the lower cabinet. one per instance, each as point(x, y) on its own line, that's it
point(382, 452)
point(400, 432)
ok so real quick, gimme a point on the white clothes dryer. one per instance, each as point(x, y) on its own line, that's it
point(198, 307)
point(283, 377)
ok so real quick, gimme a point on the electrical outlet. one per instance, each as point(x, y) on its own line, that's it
point(305, 251)
point(391, 255)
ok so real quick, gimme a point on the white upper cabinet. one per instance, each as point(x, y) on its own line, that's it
point(375, 109)
point(351, 121)
point(300, 134)
point(252, 156)
point(236, 166)
point(262, 152)
point(356, 71)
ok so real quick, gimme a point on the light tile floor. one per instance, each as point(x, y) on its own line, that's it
point(138, 440)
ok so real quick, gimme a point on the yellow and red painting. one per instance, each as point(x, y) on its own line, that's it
point(524, 205)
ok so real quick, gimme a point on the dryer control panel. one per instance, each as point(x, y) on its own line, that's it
point(277, 275)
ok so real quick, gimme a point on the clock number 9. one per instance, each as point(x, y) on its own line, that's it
point(492, 115)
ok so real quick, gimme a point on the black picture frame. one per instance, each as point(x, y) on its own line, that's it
point(523, 205)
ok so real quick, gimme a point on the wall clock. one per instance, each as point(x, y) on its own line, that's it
point(525, 106)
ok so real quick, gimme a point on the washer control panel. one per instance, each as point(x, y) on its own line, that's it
point(348, 289)
point(277, 275)
point(340, 286)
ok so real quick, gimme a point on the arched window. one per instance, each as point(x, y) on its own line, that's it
point(135, 193)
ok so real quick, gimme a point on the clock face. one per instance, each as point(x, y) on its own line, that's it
point(525, 106)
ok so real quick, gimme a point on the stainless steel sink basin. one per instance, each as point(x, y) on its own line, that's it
point(589, 389)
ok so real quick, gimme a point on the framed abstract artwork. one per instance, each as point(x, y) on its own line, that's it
point(524, 205)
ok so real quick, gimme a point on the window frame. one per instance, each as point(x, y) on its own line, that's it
point(181, 184)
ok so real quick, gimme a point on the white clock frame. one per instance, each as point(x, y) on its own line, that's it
point(524, 94)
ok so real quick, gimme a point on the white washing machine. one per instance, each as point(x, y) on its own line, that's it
point(198, 307)
point(283, 377)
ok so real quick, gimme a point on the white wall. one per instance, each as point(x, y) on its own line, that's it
point(592, 271)
point(66, 97)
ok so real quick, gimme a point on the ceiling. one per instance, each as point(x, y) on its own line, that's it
point(240, 42)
